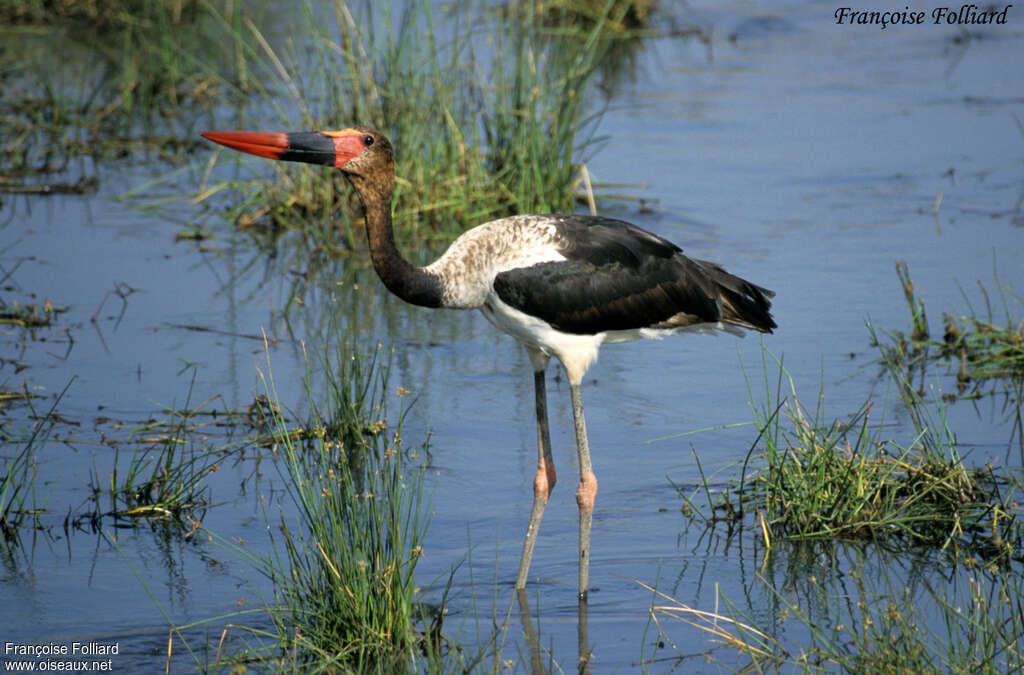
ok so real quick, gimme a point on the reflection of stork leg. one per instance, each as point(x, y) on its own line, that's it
point(581, 637)
point(530, 635)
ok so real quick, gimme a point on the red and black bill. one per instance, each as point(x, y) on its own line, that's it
point(328, 148)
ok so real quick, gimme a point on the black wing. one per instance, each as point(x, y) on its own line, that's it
point(620, 277)
point(602, 241)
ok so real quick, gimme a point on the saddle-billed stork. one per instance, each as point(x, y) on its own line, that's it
point(560, 284)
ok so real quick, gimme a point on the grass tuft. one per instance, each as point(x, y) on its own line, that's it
point(979, 347)
point(166, 475)
point(816, 478)
point(345, 595)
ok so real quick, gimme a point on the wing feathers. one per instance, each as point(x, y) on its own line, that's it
point(619, 277)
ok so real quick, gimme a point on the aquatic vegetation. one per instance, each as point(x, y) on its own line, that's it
point(814, 489)
point(345, 594)
point(811, 477)
point(103, 13)
point(986, 352)
point(166, 474)
point(34, 315)
point(617, 16)
point(127, 74)
point(164, 477)
point(18, 500)
point(29, 313)
point(15, 487)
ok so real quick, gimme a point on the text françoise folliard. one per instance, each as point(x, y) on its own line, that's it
point(965, 15)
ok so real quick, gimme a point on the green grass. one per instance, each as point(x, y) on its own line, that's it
point(812, 477)
point(127, 79)
point(896, 555)
point(985, 349)
point(350, 535)
point(876, 555)
point(492, 111)
point(105, 14)
point(15, 487)
point(166, 474)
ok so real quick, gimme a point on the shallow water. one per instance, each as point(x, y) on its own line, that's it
point(802, 155)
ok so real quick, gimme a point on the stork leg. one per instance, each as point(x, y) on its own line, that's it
point(587, 490)
point(544, 481)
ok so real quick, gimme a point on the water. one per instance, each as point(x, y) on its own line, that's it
point(802, 155)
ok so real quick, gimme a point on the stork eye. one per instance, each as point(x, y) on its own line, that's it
point(367, 140)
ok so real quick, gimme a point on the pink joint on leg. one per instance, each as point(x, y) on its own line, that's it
point(544, 481)
point(586, 492)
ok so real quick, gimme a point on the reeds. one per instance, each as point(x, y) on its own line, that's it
point(491, 112)
point(345, 595)
point(100, 79)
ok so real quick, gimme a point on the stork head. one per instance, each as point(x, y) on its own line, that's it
point(359, 152)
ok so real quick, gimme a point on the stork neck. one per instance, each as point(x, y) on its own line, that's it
point(409, 282)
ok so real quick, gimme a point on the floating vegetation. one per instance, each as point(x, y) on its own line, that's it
point(163, 475)
point(166, 474)
point(33, 315)
point(8, 398)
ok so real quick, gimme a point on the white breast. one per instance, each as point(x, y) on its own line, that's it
point(467, 269)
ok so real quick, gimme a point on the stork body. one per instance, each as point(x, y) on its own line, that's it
point(562, 285)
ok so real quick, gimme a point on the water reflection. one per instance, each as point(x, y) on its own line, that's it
point(856, 606)
point(532, 639)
